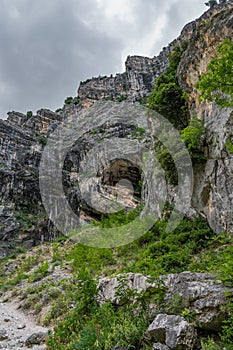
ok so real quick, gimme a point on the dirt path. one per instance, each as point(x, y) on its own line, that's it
point(16, 328)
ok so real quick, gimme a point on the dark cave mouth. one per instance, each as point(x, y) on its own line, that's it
point(124, 178)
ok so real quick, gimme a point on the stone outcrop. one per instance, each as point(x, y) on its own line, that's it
point(22, 139)
point(140, 72)
point(200, 294)
point(172, 332)
point(214, 180)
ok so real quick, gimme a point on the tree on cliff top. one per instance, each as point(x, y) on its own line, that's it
point(217, 83)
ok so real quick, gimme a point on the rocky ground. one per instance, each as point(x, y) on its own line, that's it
point(19, 331)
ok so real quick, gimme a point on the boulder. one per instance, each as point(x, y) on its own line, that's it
point(36, 339)
point(201, 294)
point(173, 332)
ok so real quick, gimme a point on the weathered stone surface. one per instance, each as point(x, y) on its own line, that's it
point(200, 293)
point(172, 331)
point(22, 139)
point(214, 180)
point(3, 334)
point(107, 286)
point(159, 346)
point(208, 32)
point(19, 328)
point(37, 338)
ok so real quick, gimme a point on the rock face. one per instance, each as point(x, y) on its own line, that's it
point(214, 181)
point(197, 296)
point(200, 294)
point(172, 332)
point(23, 138)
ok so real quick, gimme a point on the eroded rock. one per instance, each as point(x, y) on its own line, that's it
point(172, 331)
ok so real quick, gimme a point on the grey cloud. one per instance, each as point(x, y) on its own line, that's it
point(47, 47)
point(43, 56)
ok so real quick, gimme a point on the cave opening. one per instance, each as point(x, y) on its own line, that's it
point(123, 179)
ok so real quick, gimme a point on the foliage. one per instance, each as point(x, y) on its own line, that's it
point(229, 144)
point(119, 218)
point(93, 259)
point(216, 84)
point(210, 344)
point(68, 100)
point(139, 132)
point(227, 329)
point(28, 220)
point(211, 3)
point(167, 97)
point(157, 252)
point(29, 114)
point(192, 136)
point(42, 140)
point(93, 326)
point(165, 159)
point(80, 322)
point(122, 98)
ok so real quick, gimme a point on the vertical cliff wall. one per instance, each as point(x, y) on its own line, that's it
point(23, 138)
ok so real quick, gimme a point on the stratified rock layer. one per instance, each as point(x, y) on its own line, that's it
point(23, 139)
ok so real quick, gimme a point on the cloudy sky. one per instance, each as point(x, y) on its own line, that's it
point(47, 47)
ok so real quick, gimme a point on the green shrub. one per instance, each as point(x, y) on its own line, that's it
point(210, 344)
point(93, 326)
point(216, 84)
point(193, 136)
point(122, 98)
point(227, 329)
point(165, 159)
point(43, 140)
point(68, 100)
point(229, 144)
point(29, 114)
point(167, 97)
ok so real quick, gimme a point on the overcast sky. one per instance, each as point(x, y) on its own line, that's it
point(47, 47)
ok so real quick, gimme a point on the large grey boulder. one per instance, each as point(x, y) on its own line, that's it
point(108, 287)
point(172, 331)
point(201, 294)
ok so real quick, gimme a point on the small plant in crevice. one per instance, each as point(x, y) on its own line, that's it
point(193, 137)
point(68, 100)
point(29, 114)
point(122, 98)
point(42, 140)
point(210, 344)
point(229, 144)
point(139, 133)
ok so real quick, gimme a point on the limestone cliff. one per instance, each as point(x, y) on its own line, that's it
point(23, 137)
